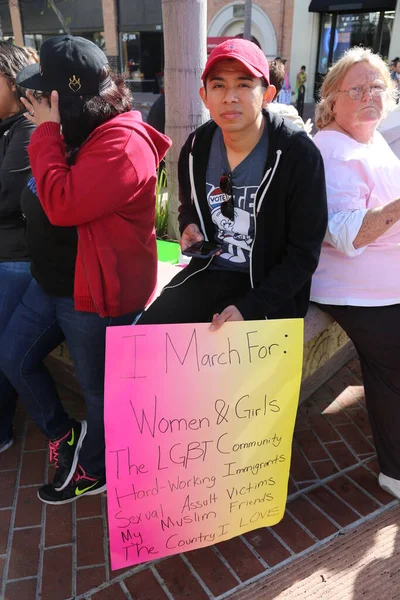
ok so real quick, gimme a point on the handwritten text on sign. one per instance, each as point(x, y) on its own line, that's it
point(199, 429)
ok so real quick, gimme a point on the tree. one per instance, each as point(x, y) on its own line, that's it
point(185, 56)
point(51, 4)
point(247, 20)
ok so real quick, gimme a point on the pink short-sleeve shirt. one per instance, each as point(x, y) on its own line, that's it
point(358, 177)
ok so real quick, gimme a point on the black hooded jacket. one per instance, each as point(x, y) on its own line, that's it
point(291, 217)
point(15, 170)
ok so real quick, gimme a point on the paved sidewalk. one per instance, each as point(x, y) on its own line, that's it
point(363, 563)
point(60, 553)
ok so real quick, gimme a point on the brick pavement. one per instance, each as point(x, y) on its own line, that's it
point(362, 563)
point(60, 553)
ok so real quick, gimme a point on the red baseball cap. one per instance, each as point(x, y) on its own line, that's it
point(245, 52)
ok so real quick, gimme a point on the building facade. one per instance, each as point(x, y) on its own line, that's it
point(271, 23)
point(130, 31)
point(313, 33)
point(38, 21)
point(324, 29)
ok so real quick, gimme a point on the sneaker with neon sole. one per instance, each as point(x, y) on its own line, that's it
point(64, 453)
point(82, 484)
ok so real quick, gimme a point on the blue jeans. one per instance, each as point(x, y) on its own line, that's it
point(38, 325)
point(15, 278)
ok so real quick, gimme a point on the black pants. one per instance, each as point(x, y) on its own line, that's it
point(375, 332)
point(194, 297)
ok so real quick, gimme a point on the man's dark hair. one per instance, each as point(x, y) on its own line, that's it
point(253, 39)
point(12, 60)
point(303, 67)
point(276, 75)
point(80, 116)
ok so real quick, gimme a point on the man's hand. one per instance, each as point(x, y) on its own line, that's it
point(230, 313)
point(191, 235)
point(41, 111)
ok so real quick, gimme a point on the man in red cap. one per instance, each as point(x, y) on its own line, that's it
point(253, 185)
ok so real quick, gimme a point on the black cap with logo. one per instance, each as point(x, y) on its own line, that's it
point(69, 64)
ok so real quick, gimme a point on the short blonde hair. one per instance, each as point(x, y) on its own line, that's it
point(32, 54)
point(332, 82)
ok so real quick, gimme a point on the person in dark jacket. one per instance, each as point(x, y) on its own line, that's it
point(90, 211)
point(254, 184)
point(156, 116)
point(15, 132)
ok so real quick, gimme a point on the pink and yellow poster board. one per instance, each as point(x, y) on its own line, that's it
point(199, 430)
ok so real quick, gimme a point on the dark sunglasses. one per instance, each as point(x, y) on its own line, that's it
point(227, 207)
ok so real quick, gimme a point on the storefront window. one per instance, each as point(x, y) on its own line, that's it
point(355, 30)
point(131, 55)
point(142, 59)
point(33, 40)
point(98, 39)
point(340, 31)
point(36, 40)
point(323, 60)
point(387, 27)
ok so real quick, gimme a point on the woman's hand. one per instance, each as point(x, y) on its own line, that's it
point(42, 110)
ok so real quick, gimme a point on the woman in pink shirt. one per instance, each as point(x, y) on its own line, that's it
point(358, 277)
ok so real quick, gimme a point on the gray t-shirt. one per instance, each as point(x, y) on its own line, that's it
point(235, 236)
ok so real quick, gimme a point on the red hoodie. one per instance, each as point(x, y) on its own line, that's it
point(109, 195)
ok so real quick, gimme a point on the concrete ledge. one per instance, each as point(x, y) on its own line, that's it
point(326, 347)
point(314, 381)
point(316, 322)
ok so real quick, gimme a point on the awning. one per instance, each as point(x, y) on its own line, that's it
point(349, 5)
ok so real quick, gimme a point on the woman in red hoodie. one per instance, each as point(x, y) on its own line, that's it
point(90, 210)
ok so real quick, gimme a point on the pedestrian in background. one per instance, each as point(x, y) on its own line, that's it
point(301, 79)
point(285, 95)
point(287, 111)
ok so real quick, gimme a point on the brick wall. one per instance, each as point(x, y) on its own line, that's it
point(110, 27)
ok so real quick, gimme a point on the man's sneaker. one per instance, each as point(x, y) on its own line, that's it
point(64, 454)
point(82, 484)
point(6, 445)
point(390, 485)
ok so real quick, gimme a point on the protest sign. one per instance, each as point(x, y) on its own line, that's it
point(199, 430)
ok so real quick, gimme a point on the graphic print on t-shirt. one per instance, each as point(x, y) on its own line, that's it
point(236, 236)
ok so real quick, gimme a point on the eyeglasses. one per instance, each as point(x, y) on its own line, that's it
point(357, 92)
point(227, 207)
